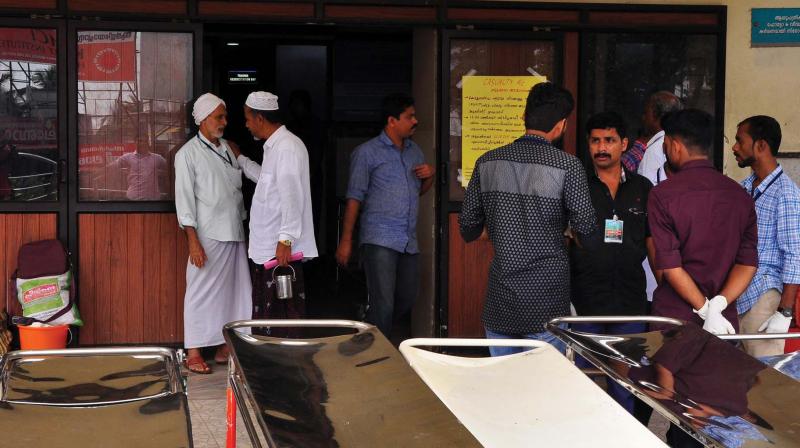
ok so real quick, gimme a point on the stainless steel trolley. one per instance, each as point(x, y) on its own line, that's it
point(94, 397)
point(700, 382)
point(353, 389)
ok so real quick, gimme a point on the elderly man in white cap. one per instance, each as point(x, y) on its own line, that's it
point(208, 200)
point(281, 223)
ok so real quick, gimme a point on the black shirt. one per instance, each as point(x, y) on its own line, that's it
point(609, 279)
point(525, 193)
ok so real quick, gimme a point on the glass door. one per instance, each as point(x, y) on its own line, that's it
point(131, 87)
point(33, 187)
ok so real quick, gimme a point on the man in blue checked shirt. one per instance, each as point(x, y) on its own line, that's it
point(387, 176)
point(768, 303)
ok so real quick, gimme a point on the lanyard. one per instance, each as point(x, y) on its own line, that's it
point(225, 159)
point(658, 176)
point(757, 194)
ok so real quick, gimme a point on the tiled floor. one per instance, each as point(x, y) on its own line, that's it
point(207, 408)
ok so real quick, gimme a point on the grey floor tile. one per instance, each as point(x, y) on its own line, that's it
point(207, 407)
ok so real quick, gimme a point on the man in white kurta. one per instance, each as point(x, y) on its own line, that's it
point(208, 200)
point(281, 221)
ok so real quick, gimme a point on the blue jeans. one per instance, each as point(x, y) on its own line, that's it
point(617, 392)
point(392, 284)
point(544, 336)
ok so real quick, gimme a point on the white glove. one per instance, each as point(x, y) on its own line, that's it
point(703, 311)
point(716, 323)
point(777, 323)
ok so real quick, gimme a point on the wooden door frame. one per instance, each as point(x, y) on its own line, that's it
point(446, 206)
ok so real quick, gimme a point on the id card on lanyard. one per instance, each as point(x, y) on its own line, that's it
point(613, 231)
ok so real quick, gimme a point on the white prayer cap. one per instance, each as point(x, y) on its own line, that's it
point(262, 101)
point(204, 105)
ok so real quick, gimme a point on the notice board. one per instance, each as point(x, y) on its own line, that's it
point(492, 115)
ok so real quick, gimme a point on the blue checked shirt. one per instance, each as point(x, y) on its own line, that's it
point(382, 178)
point(778, 211)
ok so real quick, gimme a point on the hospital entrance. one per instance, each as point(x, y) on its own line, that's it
point(330, 83)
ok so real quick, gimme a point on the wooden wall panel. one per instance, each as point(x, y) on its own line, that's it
point(651, 19)
point(132, 278)
point(513, 15)
point(468, 276)
point(218, 8)
point(29, 4)
point(378, 13)
point(571, 51)
point(17, 229)
point(169, 7)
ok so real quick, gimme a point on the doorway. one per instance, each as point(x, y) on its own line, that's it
point(330, 87)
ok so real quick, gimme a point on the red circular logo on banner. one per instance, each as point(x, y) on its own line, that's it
point(108, 60)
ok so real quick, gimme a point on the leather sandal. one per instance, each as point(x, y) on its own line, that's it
point(197, 364)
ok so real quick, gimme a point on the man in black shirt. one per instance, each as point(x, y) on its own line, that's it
point(608, 280)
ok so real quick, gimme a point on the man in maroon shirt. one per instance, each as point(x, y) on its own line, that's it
point(704, 230)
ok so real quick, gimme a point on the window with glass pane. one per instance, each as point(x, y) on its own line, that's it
point(28, 115)
point(133, 89)
point(622, 70)
point(485, 57)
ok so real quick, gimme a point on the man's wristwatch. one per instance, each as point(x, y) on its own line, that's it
point(786, 312)
point(286, 242)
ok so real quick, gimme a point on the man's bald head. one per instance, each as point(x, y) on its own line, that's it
point(658, 105)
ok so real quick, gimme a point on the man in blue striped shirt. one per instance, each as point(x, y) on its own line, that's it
point(768, 303)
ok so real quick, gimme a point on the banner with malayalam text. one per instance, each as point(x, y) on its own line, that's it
point(107, 56)
point(28, 45)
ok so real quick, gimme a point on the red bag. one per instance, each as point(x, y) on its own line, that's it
point(40, 258)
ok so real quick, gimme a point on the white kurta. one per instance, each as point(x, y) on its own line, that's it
point(653, 158)
point(208, 190)
point(208, 197)
point(652, 167)
point(281, 208)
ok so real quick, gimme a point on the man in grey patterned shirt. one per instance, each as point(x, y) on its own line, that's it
point(526, 194)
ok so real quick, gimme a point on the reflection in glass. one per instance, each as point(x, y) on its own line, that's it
point(622, 70)
point(28, 114)
point(132, 93)
point(488, 58)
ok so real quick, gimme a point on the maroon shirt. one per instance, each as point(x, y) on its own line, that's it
point(704, 222)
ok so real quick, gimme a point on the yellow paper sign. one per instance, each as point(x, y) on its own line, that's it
point(492, 108)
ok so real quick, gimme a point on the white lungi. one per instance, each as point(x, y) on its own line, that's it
point(217, 293)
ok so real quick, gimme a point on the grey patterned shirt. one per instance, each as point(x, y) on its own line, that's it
point(526, 194)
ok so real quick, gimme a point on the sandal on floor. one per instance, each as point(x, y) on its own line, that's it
point(221, 359)
point(198, 365)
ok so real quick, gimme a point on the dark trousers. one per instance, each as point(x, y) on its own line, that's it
point(617, 392)
point(392, 284)
point(266, 304)
point(677, 438)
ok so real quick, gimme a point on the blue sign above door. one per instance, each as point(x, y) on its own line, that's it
point(775, 27)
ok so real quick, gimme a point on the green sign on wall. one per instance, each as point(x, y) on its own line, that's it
point(775, 27)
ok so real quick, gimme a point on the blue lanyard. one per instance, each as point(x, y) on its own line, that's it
point(226, 159)
point(757, 194)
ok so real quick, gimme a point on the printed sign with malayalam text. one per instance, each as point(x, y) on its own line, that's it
point(775, 27)
point(492, 115)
